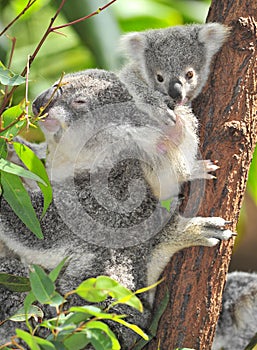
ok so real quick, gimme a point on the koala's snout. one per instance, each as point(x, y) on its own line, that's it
point(175, 89)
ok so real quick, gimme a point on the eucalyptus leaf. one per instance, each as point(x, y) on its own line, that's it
point(3, 149)
point(29, 300)
point(13, 115)
point(14, 283)
point(76, 341)
point(133, 327)
point(33, 312)
point(76, 318)
point(9, 167)
point(95, 311)
point(42, 286)
point(35, 343)
point(53, 275)
point(17, 197)
point(104, 327)
point(98, 289)
point(7, 77)
point(34, 164)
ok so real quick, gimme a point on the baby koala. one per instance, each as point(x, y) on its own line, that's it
point(169, 66)
point(167, 69)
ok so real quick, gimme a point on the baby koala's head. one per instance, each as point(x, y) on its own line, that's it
point(176, 60)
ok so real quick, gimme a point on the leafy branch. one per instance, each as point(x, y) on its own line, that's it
point(76, 327)
point(50, 29)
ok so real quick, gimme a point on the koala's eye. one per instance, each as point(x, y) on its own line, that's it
point(160, 78)
point(59, 89)
point(189, 74)
point(79, 101)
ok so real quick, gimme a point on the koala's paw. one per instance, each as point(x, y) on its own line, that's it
point(202, 169)
point(211, 230)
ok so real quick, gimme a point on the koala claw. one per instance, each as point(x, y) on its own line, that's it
point(211, 230)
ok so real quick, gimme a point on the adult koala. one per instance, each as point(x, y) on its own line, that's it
point(110, 164)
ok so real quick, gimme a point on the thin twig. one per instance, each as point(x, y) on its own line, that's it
point(100, 9)
point(13, 40)
point(32, 57)
point(29, 4)
point(27, 95)
point(13, 122)
point(49, 30)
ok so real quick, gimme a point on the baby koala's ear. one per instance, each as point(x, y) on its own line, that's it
point(133, 45)
point(213, 35)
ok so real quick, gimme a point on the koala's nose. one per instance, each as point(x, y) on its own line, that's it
point(175, 89)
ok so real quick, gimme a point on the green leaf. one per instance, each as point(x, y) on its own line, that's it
point(133, 327)
point(98, 289)
point(58, 345)
point(8, 117)
point(56, 300)
point(166, 204)
point(42, 286)
point(155, 322)
point(33, 312)
point(76, 341)
point(3, 149)
point(17, 197)
point(94, 311)
point(146, 289)
point(7, 77)
point(53, 275)
point(15, 169)
point(14, 283)
point(35, 343)
point(90, 292)
point(103, 327)
point(29, 300)
point(76, 318)
point(34, 164)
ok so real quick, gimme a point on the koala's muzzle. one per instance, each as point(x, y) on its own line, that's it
point(175, 89)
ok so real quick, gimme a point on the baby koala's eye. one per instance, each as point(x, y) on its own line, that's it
point(160, 78)
point(189, 74)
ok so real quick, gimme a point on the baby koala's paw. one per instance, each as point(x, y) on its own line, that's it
point(202, 169)
point(210, 230)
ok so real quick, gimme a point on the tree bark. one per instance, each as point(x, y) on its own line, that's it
point(227, 110)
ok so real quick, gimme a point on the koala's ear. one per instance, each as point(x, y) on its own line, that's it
point(213, 35)
point(133, 45)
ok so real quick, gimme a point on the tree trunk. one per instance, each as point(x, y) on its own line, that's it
point(227, 111)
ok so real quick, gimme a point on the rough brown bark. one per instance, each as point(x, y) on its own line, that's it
point(227, 109)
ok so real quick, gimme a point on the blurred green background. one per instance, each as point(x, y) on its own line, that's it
point(93, 43)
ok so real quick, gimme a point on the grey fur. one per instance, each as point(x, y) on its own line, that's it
point(238, 319)
point(106, 167)
point(171, 54)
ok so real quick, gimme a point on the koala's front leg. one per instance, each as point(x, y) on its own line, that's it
point(203, 231)
point(182, 233)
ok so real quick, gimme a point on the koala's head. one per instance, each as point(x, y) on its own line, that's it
point(68, 100)
point(176, 60)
